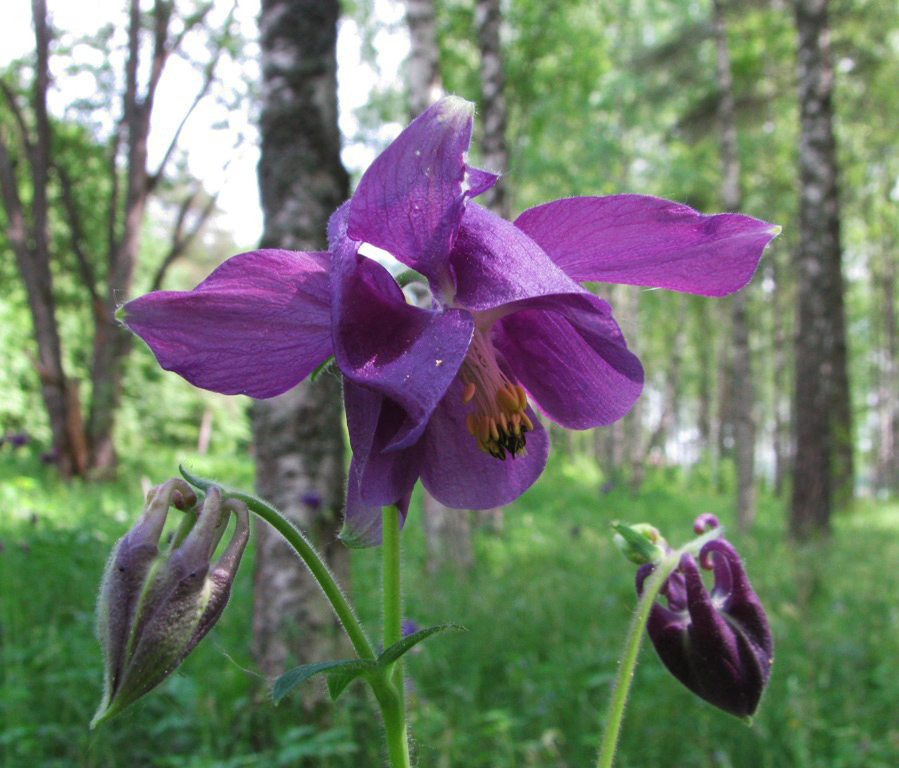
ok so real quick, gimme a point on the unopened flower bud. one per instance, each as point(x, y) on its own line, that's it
point(717, 644)
point(640, 543)
point(154, 607)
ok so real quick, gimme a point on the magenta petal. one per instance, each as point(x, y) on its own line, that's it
point(411, 198)
point(571, 358)
point(457, 474)
point(641, 240)
point(258, 325)
point(496, 263)
point(403, 352)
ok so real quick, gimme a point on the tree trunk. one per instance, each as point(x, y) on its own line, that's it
point(423, 64)
point(29, 241)
point(487, 19)
point(743, 398)
point(671, 393)
point(781, 437)
point(887, 460)
point(299, 435)
point(823, 462)
point(447, 535)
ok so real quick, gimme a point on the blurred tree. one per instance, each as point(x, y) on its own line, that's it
point(492, 107)
point(741, 363)
point(823, 462)
point(423, 62)
point(105, 263)
point(299, 435)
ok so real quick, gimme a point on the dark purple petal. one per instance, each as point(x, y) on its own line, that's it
point(258, 325)
point(570, 356)
point(403, 352)
point(459, 475)
point(363, 523)
point(373, 421)
point(741, 604)
point(641, 240)
point(496, 263)
point(411, 198)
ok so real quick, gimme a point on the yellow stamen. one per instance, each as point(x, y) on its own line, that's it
point(497, 419)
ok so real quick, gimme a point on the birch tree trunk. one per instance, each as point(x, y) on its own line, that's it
point(743, 397)
point(298, 436)
point(423, 64)
point(488, 19)
point(823, 461)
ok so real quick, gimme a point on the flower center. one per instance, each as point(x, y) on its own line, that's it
point(497, 420)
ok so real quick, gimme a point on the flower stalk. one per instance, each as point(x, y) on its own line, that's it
point(302, 546)
point(611, 732)
point(395, 711)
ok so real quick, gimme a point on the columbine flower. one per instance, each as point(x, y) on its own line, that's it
point(718, 643)
point(445, 393)
point(155, 607)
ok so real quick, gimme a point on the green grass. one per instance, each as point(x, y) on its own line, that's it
point(546, 607)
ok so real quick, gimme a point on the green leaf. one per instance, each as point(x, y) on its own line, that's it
point(344, 671)
point(402, 647)
point(339, 678)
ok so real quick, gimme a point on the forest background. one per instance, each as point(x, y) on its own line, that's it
point(598, 98)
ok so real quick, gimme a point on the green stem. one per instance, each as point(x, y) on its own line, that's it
point(393, 707)
point(615, 715)
point(307, 553)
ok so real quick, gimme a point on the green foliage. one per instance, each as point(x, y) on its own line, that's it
point(546, 606)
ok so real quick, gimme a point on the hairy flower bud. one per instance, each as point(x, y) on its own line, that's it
point(154, 607)
point(718, 643)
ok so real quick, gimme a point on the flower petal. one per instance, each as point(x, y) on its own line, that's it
point(410, 200)
point(496, 263)
point(641, 240)
point(258, 325)
point(406, 353)
point(383, 476)
point(570, 356)
point(363, 523)
point(457, 474)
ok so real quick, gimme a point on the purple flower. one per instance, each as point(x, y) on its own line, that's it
point(718, 643)
point(443, 393)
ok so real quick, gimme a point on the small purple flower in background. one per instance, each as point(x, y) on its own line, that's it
point(444, 393)
point(311, 499)
point(409, 627)
point(718, 643)
point(18, 439)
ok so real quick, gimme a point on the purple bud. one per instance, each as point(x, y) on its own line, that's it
point(717, 644)
point(705, 522)
point(154, 607)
